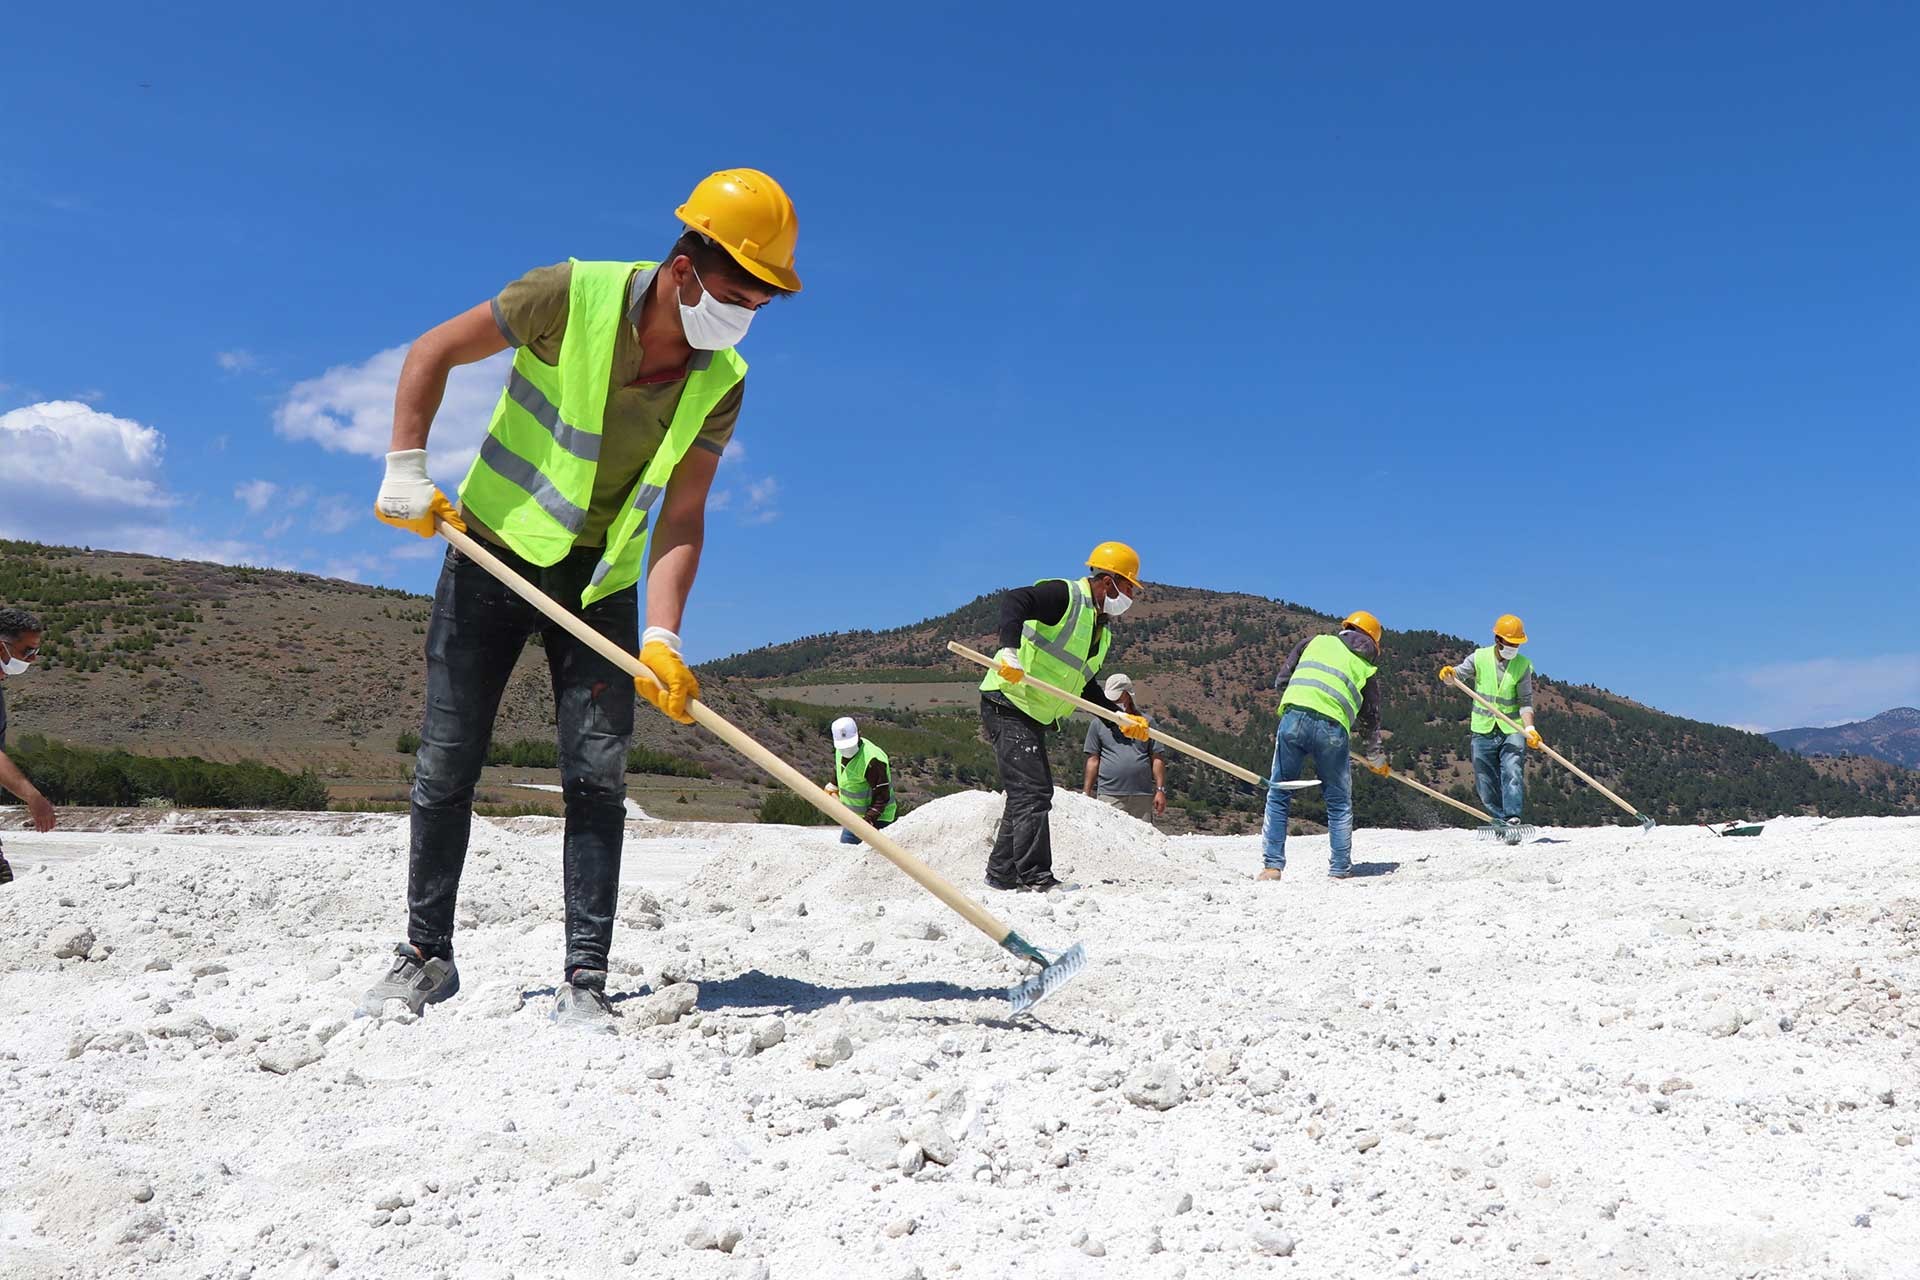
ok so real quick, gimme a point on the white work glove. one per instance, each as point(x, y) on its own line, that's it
point(1007, 663)
point(408, 499)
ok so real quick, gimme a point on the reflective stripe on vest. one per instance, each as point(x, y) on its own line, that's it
point(533, 481)
point(851, 775)
point(1064, 654)
point(1502, 688)
point(1328, 679)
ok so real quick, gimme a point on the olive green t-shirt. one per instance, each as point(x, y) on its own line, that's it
point(532, 312)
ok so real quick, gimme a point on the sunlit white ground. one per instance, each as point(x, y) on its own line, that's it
point(1600, 1053)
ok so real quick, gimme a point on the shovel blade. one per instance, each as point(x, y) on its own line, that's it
point(1022, 996)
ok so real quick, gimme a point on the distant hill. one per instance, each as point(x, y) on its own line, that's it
point(172, 657)
point(1893, 736)
point(175, 658)
point(1204, 663)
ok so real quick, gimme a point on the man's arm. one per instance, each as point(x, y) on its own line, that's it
point(880, 780)
point(1093, 772)
point(1044, 602)
point(678, 539)
point(1293, 660)
point(1526, 700)
point(38, 806)
point(469, 337)
point(1367, 724)
point(1159, 783)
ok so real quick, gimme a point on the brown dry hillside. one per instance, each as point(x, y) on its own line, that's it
point(174, 657)
point(1204, 662)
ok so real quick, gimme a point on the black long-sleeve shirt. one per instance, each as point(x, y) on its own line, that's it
point(1367, 723)
point(880, 778)
point(1046, 603)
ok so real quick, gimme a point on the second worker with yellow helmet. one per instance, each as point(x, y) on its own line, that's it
point(1330, 694)
point(1059, 631)
point(1504, 676)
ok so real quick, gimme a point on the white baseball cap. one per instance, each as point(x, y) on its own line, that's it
point(846, 734)
point(1118, 684)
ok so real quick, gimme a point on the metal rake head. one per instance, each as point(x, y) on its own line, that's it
point(1057, 972)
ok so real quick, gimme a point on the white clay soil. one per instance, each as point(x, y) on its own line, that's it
point(1601, 1052)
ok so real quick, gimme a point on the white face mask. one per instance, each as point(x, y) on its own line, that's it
point(846, 753)
point(1116, 604)
point(712, 325)
point(1506, 651)
point(14, 666)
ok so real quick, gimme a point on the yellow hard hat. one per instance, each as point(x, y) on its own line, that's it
point(746, 213)
point(1116, 557)
point(1364, 621)
point(1509, 628)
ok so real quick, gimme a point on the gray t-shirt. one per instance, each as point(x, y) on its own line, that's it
point(1126, 767)
point(3, 719)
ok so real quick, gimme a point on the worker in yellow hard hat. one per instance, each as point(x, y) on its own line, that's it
point(594, 472)
point(1504, 676)
point(1058, 630)
point(1329, 693)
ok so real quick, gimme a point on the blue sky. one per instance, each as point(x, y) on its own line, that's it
point(1607, 319)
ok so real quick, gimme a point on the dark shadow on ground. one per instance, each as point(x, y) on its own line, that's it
point(1546, 840)
point(1365, 869)
point(755, 989)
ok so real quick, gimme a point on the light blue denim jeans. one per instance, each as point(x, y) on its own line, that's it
point(1499, 773)
point(1303, 736)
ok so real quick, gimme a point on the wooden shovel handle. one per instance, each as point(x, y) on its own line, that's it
point(713, 722)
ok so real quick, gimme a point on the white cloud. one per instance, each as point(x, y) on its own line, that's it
point(349, 409)
point(65, 459)
point(92, 395)
point(255, 495)
point(239, 360)
point(762, 501)
point(80, 477)
point(1828, 691)
point(336, 514)
point(735, 453)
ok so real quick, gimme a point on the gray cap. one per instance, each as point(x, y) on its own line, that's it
point(1117, 684)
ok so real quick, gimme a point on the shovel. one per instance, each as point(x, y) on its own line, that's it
point(1166, 739)
point(1055, 969)
point(1646, 823)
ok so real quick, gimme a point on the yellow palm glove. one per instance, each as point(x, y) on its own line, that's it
point(1446, 674)
point(1007, 663)
point(672, 685)
point(1134, 727)
point(1382, 768)
point(1534, 739)
point(408, 499)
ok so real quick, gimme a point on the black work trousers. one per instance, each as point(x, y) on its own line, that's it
point(474, 637)
point(1023, 847)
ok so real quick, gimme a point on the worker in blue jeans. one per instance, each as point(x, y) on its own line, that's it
point(1330, 691)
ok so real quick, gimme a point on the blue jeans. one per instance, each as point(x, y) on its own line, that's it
point(1499, 773)
point(847, 837)
point(474, 637)
point(1303, 736)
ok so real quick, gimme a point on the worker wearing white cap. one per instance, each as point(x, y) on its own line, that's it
point(864, 778)
point(1129, 775)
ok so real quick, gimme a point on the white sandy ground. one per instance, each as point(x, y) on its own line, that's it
point(1603, 1053)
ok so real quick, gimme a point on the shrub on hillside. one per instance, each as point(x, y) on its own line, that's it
point(784, 806)
point(120, 779)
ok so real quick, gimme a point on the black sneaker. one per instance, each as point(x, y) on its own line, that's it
point(1043, 886)
point(413, 978)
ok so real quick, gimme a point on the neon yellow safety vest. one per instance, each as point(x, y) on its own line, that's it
point(533, 481)
point(1501, 688)
point(1065, 655)
point(855, 791)
point(1328, 679)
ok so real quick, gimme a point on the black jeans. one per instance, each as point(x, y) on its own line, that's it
point(1023, 847)
point(474, 638)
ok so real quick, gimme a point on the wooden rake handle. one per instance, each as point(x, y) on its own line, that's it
point(1426, 790)
point(1094, 708)
point(1565, 763)
point(713, 722)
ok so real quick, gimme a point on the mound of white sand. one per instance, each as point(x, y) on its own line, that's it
point(1093, 844)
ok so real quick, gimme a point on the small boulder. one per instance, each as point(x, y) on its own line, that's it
point(70, 942)
point(284, 1057)
point(1273, 1244)
point(1157, 1087)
